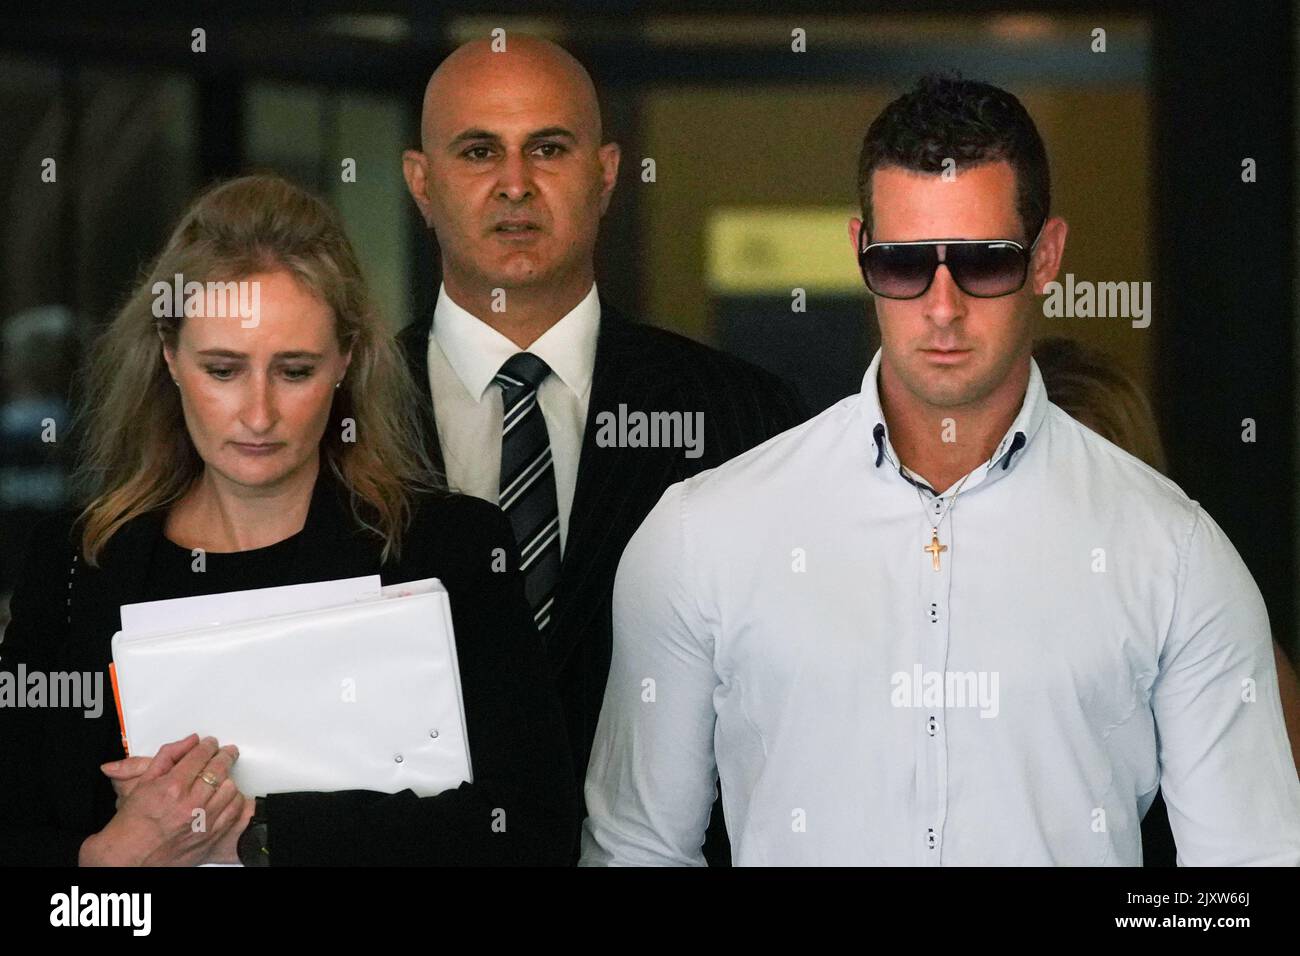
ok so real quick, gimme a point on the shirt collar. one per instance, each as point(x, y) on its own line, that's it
point(476, 351)
point(1032, 412)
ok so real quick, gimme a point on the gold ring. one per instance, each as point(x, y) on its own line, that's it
point(209, 778)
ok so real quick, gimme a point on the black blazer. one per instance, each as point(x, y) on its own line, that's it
point(646, 369)
point(65, 613)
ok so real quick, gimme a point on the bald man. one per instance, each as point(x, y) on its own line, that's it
point(545, 400)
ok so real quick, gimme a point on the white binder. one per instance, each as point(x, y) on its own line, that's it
point(338, 685)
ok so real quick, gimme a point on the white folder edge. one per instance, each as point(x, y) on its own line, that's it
point(426, 586)
point(231, 607)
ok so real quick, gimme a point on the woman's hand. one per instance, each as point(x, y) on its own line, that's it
point(177, 810)
point(126, 774)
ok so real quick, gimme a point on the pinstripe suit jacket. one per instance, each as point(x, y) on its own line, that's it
point(647, 369)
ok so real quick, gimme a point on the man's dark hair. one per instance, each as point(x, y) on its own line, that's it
point(948, 117)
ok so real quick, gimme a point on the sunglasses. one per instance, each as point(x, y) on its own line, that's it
point(983, 268)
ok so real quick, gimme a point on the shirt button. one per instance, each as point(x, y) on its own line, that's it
point(932, 725)
point(930, 841)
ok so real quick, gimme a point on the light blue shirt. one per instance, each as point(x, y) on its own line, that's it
point(1091, 635)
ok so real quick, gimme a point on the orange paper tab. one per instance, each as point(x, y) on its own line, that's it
point(117, 702)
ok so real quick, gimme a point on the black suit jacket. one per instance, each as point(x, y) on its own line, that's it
point(646, 369)
point(64, 615)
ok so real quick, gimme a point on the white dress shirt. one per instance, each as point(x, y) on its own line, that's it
point(465, 354)
point(1091, 635)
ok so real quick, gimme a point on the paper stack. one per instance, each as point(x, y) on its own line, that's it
point(336, 685)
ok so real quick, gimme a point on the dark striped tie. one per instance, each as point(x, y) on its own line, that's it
point(528, 483)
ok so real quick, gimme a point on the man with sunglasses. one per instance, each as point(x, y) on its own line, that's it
point(941, 623)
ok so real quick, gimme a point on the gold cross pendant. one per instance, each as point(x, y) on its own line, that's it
point(934, 548)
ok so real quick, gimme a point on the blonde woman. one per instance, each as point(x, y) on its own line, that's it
point(279, 438)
